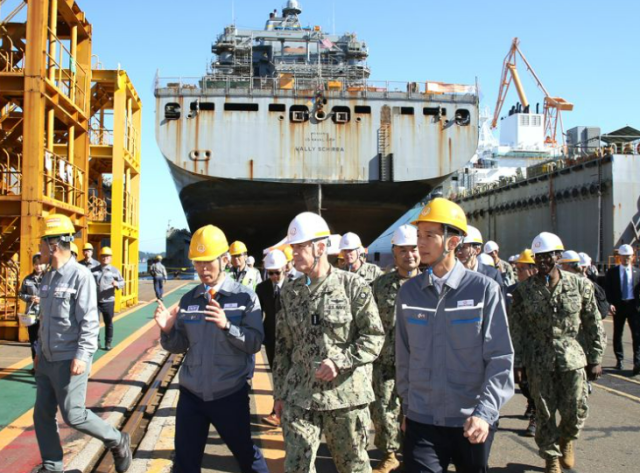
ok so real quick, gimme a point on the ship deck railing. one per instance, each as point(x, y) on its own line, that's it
point(286, 85)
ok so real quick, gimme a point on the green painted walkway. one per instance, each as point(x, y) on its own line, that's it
point(18, 390)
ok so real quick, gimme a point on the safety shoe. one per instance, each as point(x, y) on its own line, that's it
point(619, 365)
point(530, 409)
point(107, 346)
point(531, 428)
point(272, 419)
point(387, 464)
point(568, 459)
point(552, 466)
point(122, 454)
point(42, 469)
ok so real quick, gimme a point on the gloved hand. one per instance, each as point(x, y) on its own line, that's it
point(593, 372)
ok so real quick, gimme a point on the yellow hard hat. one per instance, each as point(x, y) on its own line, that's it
point(87, 246)
point(340, 256)
point(159, 257)
point(288, 252)
point(441, 210)
point(74, 248)
point(526, 257)
point(106, 251)
point(237, 248)
point(207, 244)
point(57, 225)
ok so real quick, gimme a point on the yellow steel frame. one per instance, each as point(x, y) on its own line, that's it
point(115, 150)
point(46, 107)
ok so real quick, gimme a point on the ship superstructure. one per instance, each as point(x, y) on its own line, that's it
point(287, 119)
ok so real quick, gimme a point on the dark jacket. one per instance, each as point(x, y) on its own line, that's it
point(613, 285)
point(218, 362)
point(491, 273)
point(270, 307)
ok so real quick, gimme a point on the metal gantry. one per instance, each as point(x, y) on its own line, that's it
point(114, 174)
point(47, 104)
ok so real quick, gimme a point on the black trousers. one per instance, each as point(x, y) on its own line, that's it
point(33, 337)
point(230, 416)
point(106, 309)
point(431, 449)
point(158, 287)
point(270, 349)
point(626, 313)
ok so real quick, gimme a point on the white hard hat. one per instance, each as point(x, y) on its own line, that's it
point(545, 243)
point(569, 256)
point(491, 246)
point(276, 259)
point(487, 260)
point(307, 226)
point(334, 245)
point(473, 236)
point(625, 250)
point(585, 260)
point(251, 260)
point(350, 241)
point(513, 258)
point(405, 235)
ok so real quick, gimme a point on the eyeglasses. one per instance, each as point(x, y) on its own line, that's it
point(274, 273)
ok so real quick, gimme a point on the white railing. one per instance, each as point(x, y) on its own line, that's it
point(297, 84)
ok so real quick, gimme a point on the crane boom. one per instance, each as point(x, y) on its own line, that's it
point(553, 106)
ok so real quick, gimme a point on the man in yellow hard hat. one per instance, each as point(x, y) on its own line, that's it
point(88, 261)
point(454, 358)
point(219, 326)
point(69, 328)
point(240, 271)
point(108, 279)
point(74, 250)
point(29, 290)
point(525, 267)
point(328, 334)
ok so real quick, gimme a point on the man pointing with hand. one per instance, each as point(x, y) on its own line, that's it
point(219, 326)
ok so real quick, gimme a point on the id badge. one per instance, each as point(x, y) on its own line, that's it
point(315, 319)
point(191, 318)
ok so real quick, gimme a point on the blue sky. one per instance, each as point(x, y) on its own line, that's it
point(586, 52)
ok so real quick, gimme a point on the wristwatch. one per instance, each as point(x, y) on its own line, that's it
point(227, 326)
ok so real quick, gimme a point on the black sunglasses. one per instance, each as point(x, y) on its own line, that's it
point(274, 273)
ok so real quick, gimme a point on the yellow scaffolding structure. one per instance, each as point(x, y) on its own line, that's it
point(47, 103)
point(114, 174)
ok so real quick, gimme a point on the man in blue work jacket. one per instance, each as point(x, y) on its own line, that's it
point(68, 337)
point(219, 325)
point(454, 358)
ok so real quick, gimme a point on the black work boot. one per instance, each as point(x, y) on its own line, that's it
point(107, 345)
point(122, 454)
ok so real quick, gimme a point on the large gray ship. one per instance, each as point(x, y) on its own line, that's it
point(287, 119)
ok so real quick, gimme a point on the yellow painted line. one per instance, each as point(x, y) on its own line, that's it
point(619, 393)
point(273, 449)
point(18, 365)
point(18, 426)
point(623, 378)
point(163, 449)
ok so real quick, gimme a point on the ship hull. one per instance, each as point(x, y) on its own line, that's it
point(258, 212)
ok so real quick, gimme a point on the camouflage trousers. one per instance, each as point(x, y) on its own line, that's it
point(386, 409)
point(346, 432)
point(564, 393)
